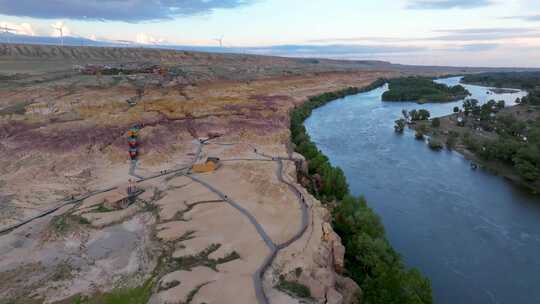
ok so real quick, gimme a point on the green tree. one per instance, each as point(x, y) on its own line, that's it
point(422, 89)
point(435, 144)
point(527, 161)
point(451, 139)
point(400, 125)
point(469, 106)
point(421, 114)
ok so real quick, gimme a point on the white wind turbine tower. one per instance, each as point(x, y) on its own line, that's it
point(60, 28)
point(6, 31)
point(220, 41)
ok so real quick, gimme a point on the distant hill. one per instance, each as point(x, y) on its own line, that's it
point(34, 58)
point(186, 54)
point(39, 54)
point(68, 40)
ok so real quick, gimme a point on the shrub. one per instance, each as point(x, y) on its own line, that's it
point(137, 295)
point(294, 288)
point(421, 114)
point(400, 125)
point(451, 140)
point(436, 122)
point(435, 144)
point(420, 132)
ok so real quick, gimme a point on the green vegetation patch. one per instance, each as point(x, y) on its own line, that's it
point(179, 216)
point(102, 209)
point(369, 260)
point(16, 108)
point(514, 137)
point(294, 289)
point(506, 139)
point(435, 144)
point(191, 295)
point(137, 295)
point(533, 98)
point(202, 259)
point(529, 81)
point(62, 224)
point(518, 80)
point(188, 235)
point(517, 144)
point(63, 272)
point(422, 89)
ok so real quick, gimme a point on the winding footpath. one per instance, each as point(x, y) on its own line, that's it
point(257, 277)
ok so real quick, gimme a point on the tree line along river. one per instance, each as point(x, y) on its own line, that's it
point(474, 234)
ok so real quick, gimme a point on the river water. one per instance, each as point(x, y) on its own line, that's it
point(474, 234)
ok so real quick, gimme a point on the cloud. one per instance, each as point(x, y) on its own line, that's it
point(447, 4)
point(118, 10)
point(479, 47)
point(476, 34)
point(336, 50)
point(359, 39)
point(144, 38)
point(19, 29)
point(453, 35)
point(475, 47)
point(487, 30)
point(531, 18)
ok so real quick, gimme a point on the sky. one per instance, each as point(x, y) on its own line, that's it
point(427, 32)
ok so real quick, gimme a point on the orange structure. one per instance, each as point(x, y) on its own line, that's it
point(132, 133)
point(211, 164)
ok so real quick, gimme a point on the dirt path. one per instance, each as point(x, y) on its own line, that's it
point(274, 249)
point(257, 276)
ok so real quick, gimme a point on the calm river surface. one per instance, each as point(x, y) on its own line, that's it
point(475, 235)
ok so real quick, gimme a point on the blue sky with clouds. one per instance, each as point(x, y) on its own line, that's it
point(441, 32)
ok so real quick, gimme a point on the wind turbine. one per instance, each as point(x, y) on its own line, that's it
point(220, 41)
point(6, 31)
point(60, 28)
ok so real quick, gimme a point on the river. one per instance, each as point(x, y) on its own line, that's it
point(475, 235)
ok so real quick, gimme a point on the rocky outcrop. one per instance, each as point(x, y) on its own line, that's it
point(316, 260)
point(350, 291)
